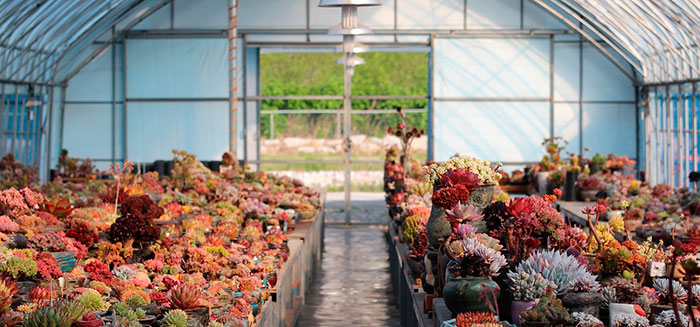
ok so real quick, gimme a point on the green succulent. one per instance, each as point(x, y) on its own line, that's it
point(47, 317)
point(175, 318)
point(93, 301)
point(135, 300)
point(216, 324)
point(17, 267)
point(548, 309)
point(74, 309)
point(529, 287)
point(411, 227)
point(140, 313)
point(124, 311)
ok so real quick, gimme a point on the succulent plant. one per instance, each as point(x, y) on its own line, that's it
point(548, 309)
point(47, 317)
point(581, 319)
point(469, 319)
point(140, 313)
point(18, 266)
point(216, 324)
point(7, 290)
point(661, 287)
point(135, 300)
point(39, 294)
point(74, 309)
point(630, 320)
point(527, 287)
point(625, 290)
point(93, 301)
point(609, 295)
point(90, 316)
point(47, 242)
point(175, 318)
point(420, 189)
point(558, 267)
point(59, 207)
point(10, 319)
point(7, 225)
point(667, 318)
point(122, 310)
point(586, 283)
point(185, 296)
point(411, 226)
point(480, 260)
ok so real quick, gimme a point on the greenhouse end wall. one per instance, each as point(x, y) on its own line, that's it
point(496, 75)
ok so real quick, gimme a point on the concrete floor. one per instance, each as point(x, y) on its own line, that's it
point(353, 285)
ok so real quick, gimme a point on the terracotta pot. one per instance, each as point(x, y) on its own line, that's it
point(415, 265)
point(586, 302)
point(516, 307)
point(464, 294)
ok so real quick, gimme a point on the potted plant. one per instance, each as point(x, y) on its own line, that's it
point(547, 312)
point(471, 288)
point(597, 163)
point(90, 319)
point(661, 287)
point(175, 318)
point(526, 289)
point(186, 297)
point(572, 172)
point(584, 297)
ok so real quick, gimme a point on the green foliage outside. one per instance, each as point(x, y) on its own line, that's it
point(385, 73)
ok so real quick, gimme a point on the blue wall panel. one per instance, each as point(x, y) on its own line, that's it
point(155, 129)
point(88, 130)
point(609, 128)
point(177, 68)
point(493, 14)
point(475, 67)
point(497, 131)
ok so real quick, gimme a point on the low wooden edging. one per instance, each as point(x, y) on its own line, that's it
point(283, 306)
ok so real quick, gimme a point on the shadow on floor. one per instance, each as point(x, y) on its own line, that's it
point(367, 208)
point(353, 285)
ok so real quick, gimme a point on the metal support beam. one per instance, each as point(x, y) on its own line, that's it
point(233, 77)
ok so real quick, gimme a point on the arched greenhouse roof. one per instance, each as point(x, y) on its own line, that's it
point(42, 40)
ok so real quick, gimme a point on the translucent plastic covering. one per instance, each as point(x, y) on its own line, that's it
point(39, 37)
point(658, 38)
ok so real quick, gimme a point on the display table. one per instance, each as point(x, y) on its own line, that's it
point(573, 211)
point(305, 242)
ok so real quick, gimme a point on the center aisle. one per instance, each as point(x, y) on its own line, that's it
point(353, 286)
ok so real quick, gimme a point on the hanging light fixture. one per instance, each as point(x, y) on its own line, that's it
point(348, 28)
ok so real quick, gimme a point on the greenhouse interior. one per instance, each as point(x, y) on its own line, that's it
point(437, 163)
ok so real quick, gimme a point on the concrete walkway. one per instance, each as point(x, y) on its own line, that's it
point(367, 208)
point(353, 286)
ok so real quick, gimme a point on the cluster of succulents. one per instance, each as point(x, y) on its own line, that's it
point(630, 320)
point(667, 318)
point(136, 222)
point(469, 319)
point(412, 225)
point(679, 292)
point(480, 260)
point(175, 318)
point(548, 309)
point(529, 287)
point(581, 319)
point(47, 242)
point(560, 268)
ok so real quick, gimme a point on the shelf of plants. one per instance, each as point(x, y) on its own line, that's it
point(235, 248)
point(493, 259)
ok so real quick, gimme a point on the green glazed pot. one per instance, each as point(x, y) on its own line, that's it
point(467, 294)
point(439, 229)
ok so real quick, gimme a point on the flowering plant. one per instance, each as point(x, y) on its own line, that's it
point(487, 174)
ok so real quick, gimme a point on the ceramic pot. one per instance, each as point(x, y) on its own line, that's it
point(516, 307)
point(541, 179)
point(586, 302)
point(570, 186)
point(617, 309)
point(415, 265)
point(148, 321)
point(588, 195)
point(464, 294)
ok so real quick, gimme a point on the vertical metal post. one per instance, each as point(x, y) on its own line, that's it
point(20, 130)
point(693, 99)
point(2, 120)
point(580, 94)
point(551, 83)
point(125, 145)
point(680, 113)
point(246, 134)
point(258, 107)
point(657, 121)
point(14, 120)
point(63, 118)
point(114, 95)
point(347, 125)
point(669, 138)
point(337, 125)
point(233, 77)
point(272, 126)
point(431, 99)
point(49, 128)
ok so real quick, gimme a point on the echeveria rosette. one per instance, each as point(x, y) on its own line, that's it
point(479, 260)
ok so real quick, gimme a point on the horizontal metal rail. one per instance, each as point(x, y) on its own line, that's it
point(490, 99)
point(284, 97)
point(336, 111)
